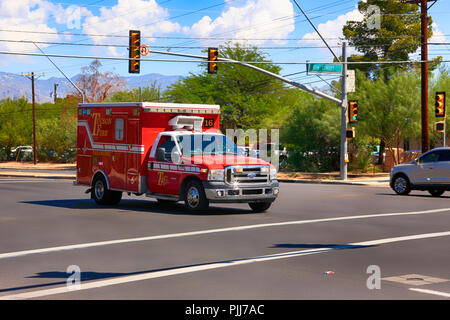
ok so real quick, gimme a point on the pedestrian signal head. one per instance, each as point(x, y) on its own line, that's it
point(439, 126)
point(349, 133)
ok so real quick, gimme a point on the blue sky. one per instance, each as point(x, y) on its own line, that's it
point(275, 25)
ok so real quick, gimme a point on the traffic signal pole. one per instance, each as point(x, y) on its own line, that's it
point(343, 141)
point(445, 127)
point(250, 66)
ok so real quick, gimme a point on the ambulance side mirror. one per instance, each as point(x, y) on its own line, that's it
point(161, 154)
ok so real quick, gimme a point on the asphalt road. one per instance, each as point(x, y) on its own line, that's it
point(316, 242)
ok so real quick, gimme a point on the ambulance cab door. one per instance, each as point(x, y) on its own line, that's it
point(165, 175)
point(133, 155)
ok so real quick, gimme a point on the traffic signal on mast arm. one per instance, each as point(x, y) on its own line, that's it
point(440, 105)
point(134, 51)
point(213, 54)
point(352, 111)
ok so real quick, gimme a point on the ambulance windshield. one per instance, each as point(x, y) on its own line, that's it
point(206, 144)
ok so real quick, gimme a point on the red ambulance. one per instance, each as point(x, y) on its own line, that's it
point(172, 152)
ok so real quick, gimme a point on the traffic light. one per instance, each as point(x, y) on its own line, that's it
point(353, 111)
point(439, 126)
point(349, 133)
point(440, 105)
point(134, 51)
point(213, 54)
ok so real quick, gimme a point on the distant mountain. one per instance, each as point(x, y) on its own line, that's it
point(15, 86)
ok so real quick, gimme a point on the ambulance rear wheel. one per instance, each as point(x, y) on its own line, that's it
point(194, 197)
point(102, 195)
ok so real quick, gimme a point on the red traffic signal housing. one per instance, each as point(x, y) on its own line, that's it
point(440, 105)
point(213, 54)
point(352, 111)
point(134, 51)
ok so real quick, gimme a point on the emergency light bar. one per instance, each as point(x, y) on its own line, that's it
point(188, 122)
point(159, 107)
point(181, 110)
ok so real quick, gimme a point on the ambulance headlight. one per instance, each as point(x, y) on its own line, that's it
point(216, 174)
point(273, 173)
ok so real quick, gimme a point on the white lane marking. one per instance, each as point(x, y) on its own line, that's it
point(209, 266)
point(209, 231)
point(437, 293)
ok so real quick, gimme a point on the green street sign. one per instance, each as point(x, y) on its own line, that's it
point(324, 68)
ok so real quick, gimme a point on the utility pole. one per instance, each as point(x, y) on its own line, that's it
point(424, 74)
point(33, 99)
point(54, 93)
point(343, 151)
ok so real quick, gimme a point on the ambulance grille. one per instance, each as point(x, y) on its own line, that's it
point(250, 174)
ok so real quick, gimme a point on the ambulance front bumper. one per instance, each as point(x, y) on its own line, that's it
point(223, 192)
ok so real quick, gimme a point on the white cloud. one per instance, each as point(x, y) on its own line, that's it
point(332, 32)
point(144, 15)
point(24, 15)
point(253, 19)
point(433, 51)
point(438, 35)
point(31, 15)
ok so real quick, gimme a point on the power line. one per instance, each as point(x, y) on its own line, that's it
point(218, 61)
point(204, 47)
point(152, 46)
point(196, 38)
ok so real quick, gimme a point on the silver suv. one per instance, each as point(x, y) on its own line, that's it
point(431, 172)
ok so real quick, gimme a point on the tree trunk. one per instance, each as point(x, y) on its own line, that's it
point(382, 149)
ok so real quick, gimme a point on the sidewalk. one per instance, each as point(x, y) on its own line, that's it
point(68, 171)
point(377, 179)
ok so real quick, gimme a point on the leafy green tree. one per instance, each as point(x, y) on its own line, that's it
point(312, 132)
point(55, 137)
point(396, 38)
point(149, 93)
point(440, 81)
point(246, 96)
point(389, 109)
point(15, 124)
point(55, 127)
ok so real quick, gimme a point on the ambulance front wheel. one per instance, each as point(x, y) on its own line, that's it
point(102, 195)
point(259, 206)
point(194, 197)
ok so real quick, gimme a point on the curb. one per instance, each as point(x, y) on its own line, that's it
point(40, 176)
point(355, 183)
point(305, 181)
